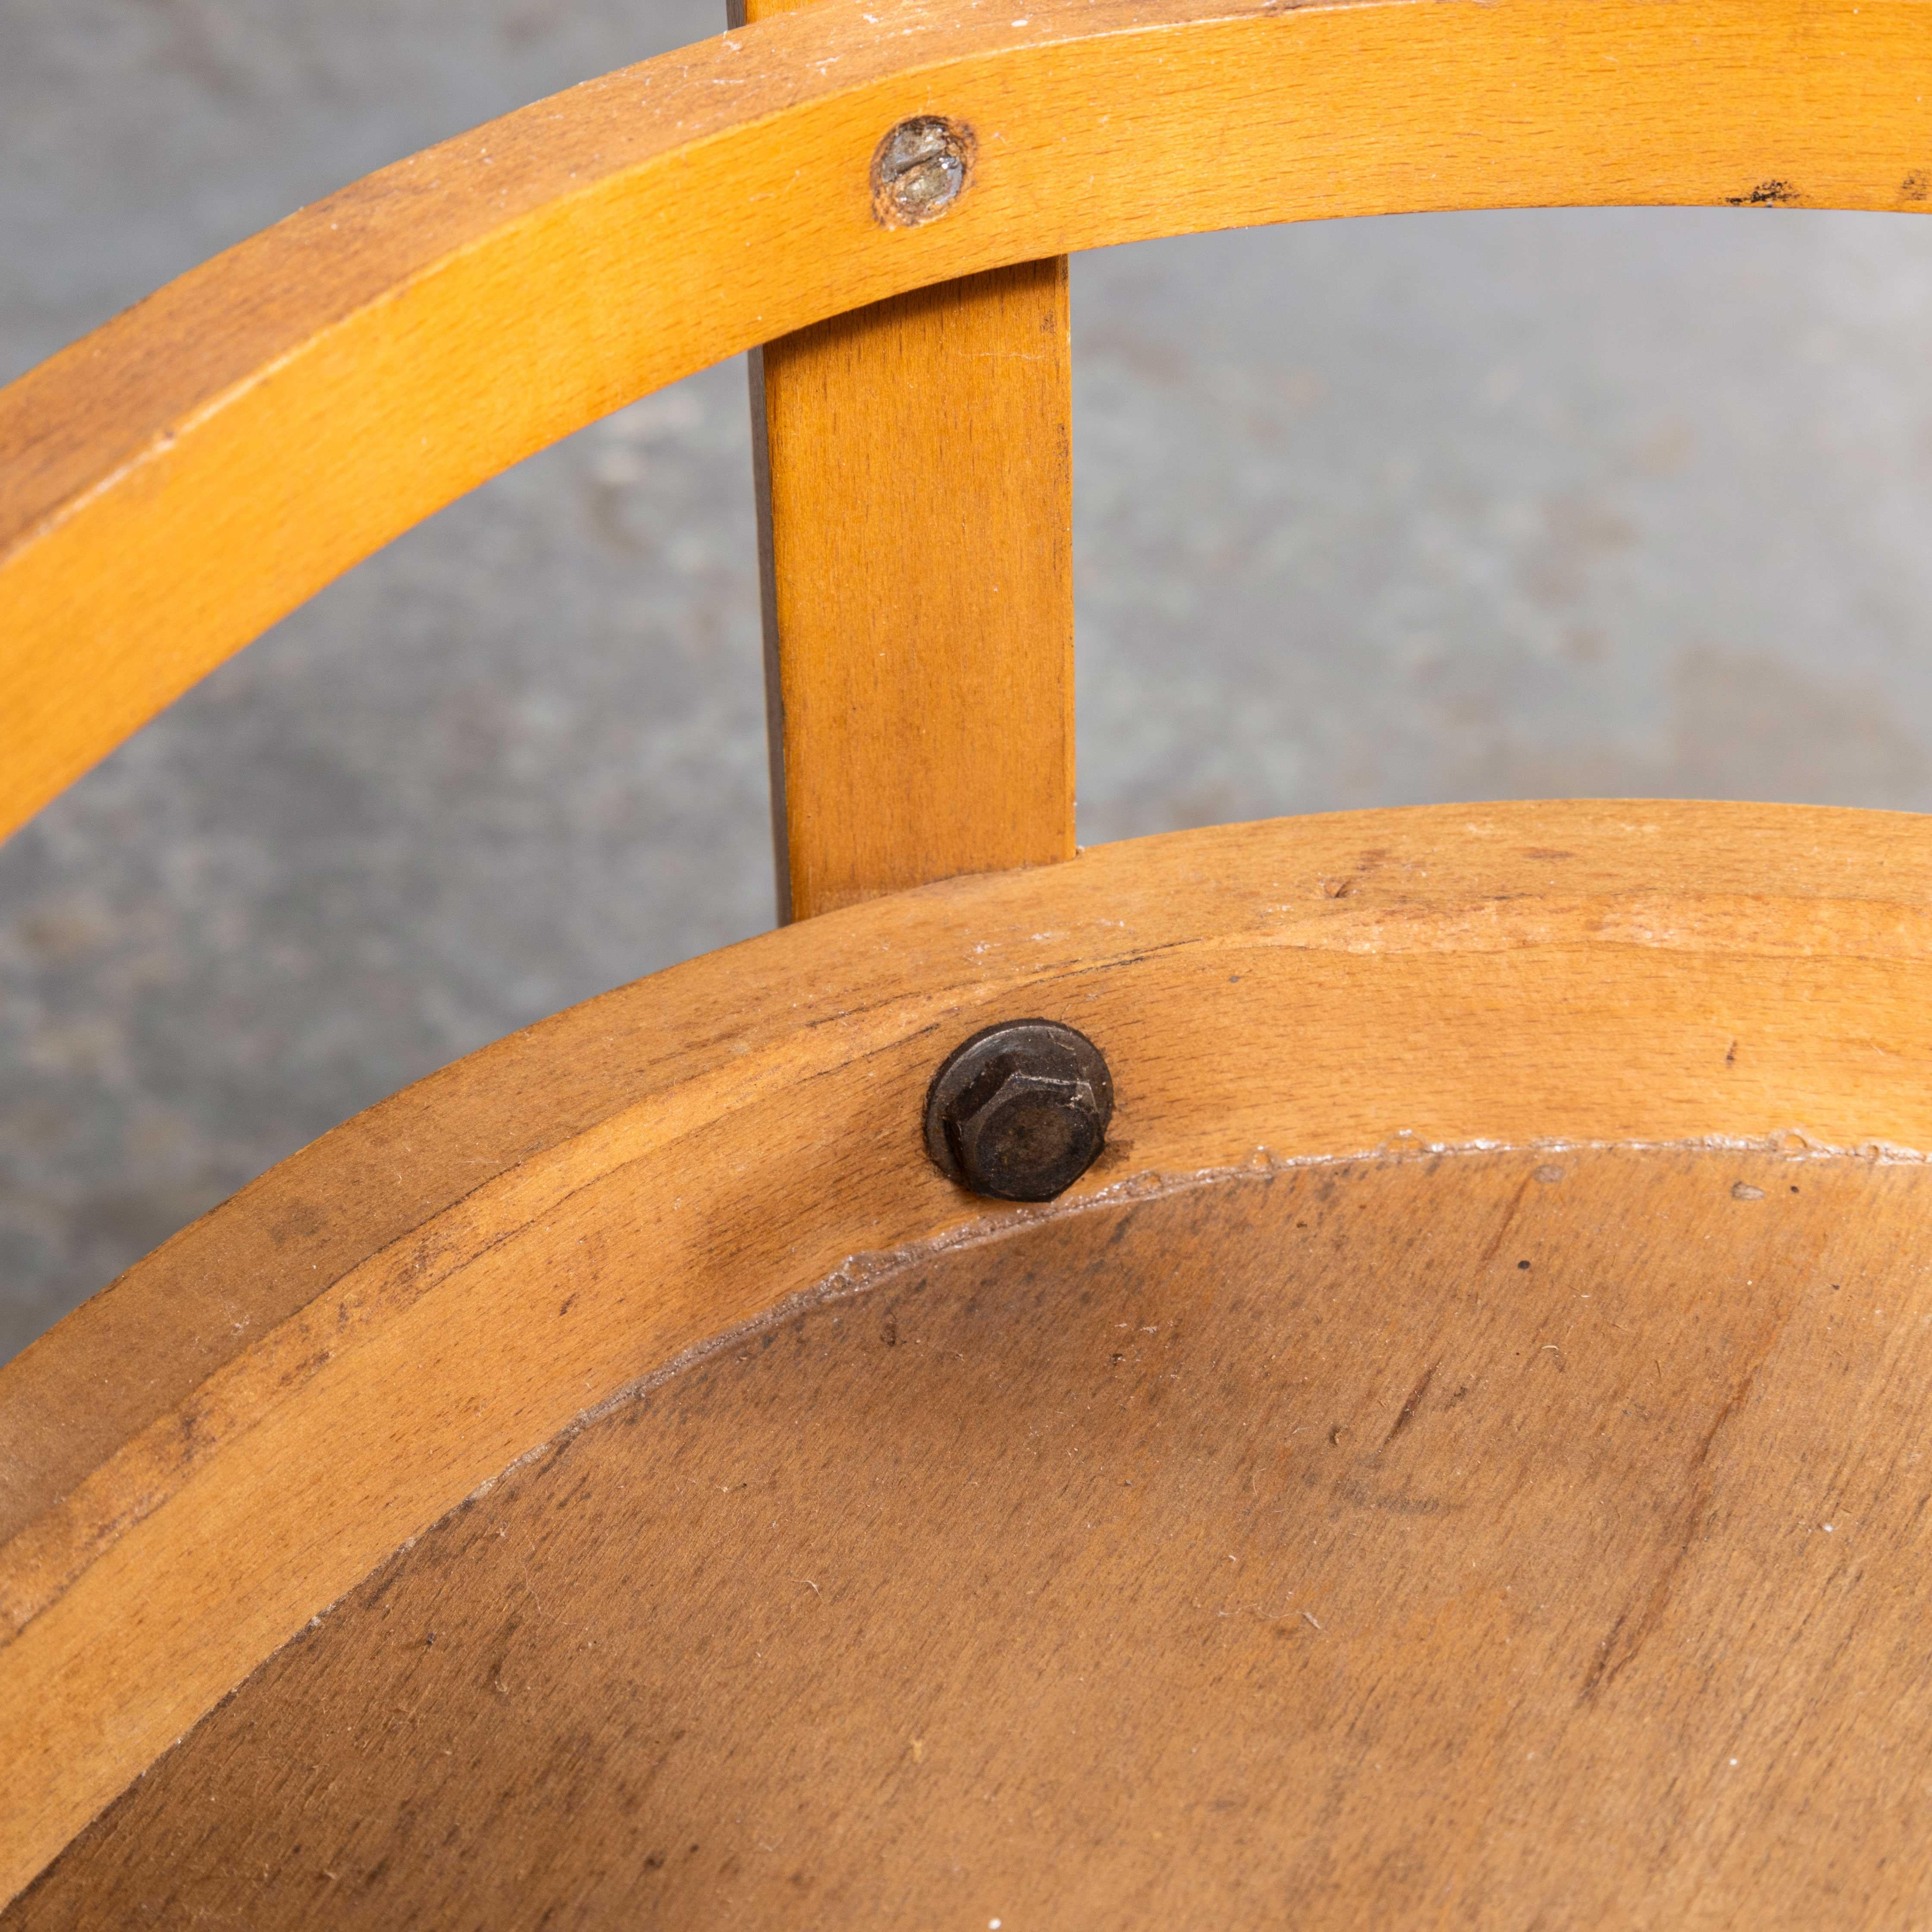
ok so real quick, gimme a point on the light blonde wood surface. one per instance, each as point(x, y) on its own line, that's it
point(175, 483)
point(392, 1320)
point(914, 466)
point(920, 593)
point(1491, 1540)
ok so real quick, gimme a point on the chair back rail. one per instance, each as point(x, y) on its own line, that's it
point(178, 481)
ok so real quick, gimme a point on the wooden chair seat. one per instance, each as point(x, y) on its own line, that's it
point(1457, 1455)
point(1478, 1537)
point(1477, 1399)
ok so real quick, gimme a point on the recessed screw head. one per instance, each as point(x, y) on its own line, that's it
point(921, 168)
point(1019, 1111)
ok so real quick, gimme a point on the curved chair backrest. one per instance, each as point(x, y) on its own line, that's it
point(175, 482)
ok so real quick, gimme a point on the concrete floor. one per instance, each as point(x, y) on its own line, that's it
point(1464, 507)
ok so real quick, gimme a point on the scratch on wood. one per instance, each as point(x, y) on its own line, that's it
point(1634, 1623)
point(1408, 1411)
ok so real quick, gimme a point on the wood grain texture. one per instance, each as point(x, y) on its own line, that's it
point(440, 1288)
point(918, 547)
point(1494, 1540)
point(175, 483)
point(913, 467)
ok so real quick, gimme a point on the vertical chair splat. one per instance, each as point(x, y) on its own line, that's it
point(915, 487)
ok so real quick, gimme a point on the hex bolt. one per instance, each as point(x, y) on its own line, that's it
point(1019, 1111)
point(922, 167)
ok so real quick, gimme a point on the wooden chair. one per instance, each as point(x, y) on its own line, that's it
point(1462, 1454)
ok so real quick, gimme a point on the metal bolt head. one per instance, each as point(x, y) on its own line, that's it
point(1019, 1111)
point(921, 168)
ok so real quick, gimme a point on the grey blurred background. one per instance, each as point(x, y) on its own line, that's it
point(1423, 508)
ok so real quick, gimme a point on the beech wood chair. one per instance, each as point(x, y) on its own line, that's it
point(1461, 1454)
